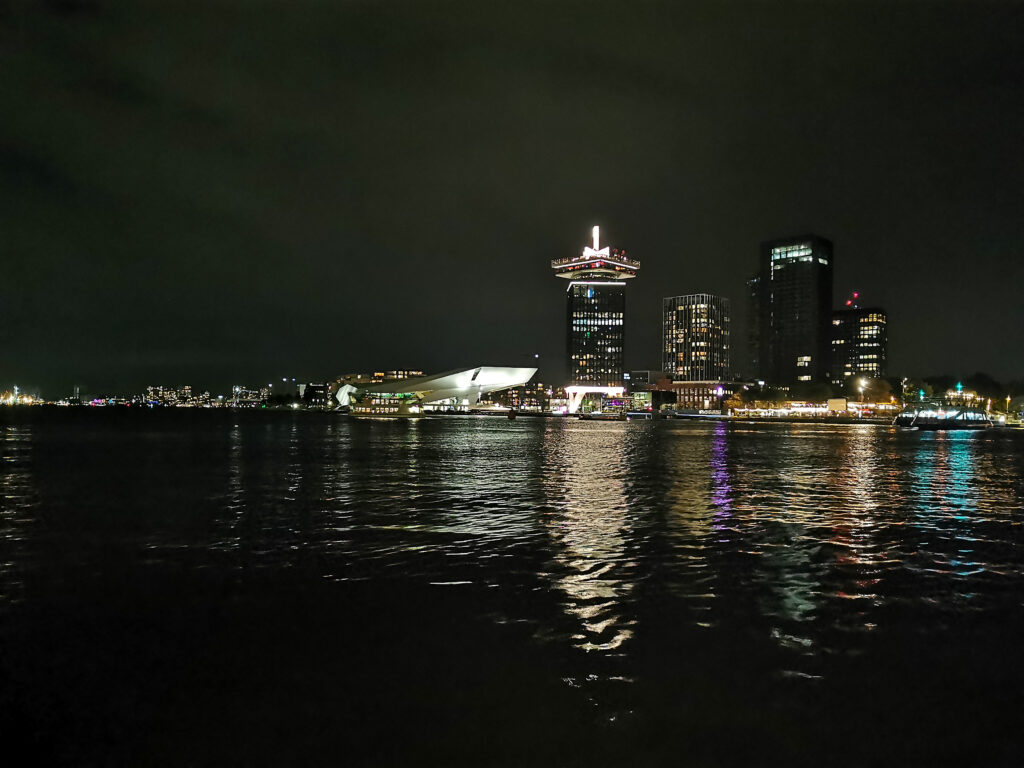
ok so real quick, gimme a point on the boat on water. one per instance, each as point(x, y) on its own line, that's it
point(933, 417)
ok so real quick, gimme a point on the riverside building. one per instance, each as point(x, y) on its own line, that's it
point(695, 350)
point(859, 343)
point(695, 337)
point(754, 325)
point(595, 320)
point(794, 310)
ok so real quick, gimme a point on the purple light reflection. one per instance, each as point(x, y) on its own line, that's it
point(721, 489)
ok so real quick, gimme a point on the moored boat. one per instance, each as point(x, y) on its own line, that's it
point(607, 416)
point(942, 417)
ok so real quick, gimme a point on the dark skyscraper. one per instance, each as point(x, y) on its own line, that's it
point(754, 326)
point(595, 319)
point(859, 344)
point(795, 310)
point(695, 332)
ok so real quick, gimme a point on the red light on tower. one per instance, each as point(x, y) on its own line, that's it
point(849, 302)
point(856, 295)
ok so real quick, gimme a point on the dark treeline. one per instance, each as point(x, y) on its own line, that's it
point(985, 385)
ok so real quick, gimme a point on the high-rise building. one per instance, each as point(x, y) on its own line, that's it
point(595, 319)
point(794, 303)
point(695, 337)
point(754, 326)
point(859, 343)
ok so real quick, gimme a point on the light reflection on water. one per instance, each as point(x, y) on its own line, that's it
point(18, 503)
point(589, 522)
point(795, 549)
point(805, 515)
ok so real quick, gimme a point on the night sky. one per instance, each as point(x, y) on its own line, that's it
point(232, 192)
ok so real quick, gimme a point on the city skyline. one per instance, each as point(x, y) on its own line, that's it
point(179, 210)
point(751, 334)
point(587, 274)
point(337, 428)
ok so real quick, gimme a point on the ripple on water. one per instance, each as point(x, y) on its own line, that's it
point(643, 563)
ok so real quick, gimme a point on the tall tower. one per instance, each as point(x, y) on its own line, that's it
point(795, 307)
point(695, 332)
point(595, 319)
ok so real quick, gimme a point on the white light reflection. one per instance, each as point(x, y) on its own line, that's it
point(18, 503)
point(857, 533)
point(590, 527)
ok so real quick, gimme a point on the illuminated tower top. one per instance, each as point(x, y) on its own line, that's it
point(597, 264)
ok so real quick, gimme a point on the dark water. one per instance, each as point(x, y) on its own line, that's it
point(211, 588)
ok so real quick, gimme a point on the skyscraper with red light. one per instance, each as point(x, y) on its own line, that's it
point(860, 342)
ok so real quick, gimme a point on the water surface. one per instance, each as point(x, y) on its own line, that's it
point(268, 588)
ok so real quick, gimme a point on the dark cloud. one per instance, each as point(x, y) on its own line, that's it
point(233, 191)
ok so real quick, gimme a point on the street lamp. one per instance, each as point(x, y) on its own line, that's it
point(861, 387)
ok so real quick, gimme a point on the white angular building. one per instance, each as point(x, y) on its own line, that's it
point(456, 390)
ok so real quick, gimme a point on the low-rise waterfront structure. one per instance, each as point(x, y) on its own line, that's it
point(457, 390)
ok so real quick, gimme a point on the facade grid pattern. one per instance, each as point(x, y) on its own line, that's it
point(695, 337)
point(596, 333)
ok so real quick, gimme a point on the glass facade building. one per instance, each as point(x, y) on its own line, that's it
point(794, 305)
point(695, 337)
point(859, 344)
point(595, 320)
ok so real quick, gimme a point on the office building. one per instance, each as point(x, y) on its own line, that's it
point(695, 337)
point(316, 395)
point(405, 373)
point(794, 305)
point(700, 396)
point(643, 378)
point(859, 344)
point(754, 326)
point(595, 319)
